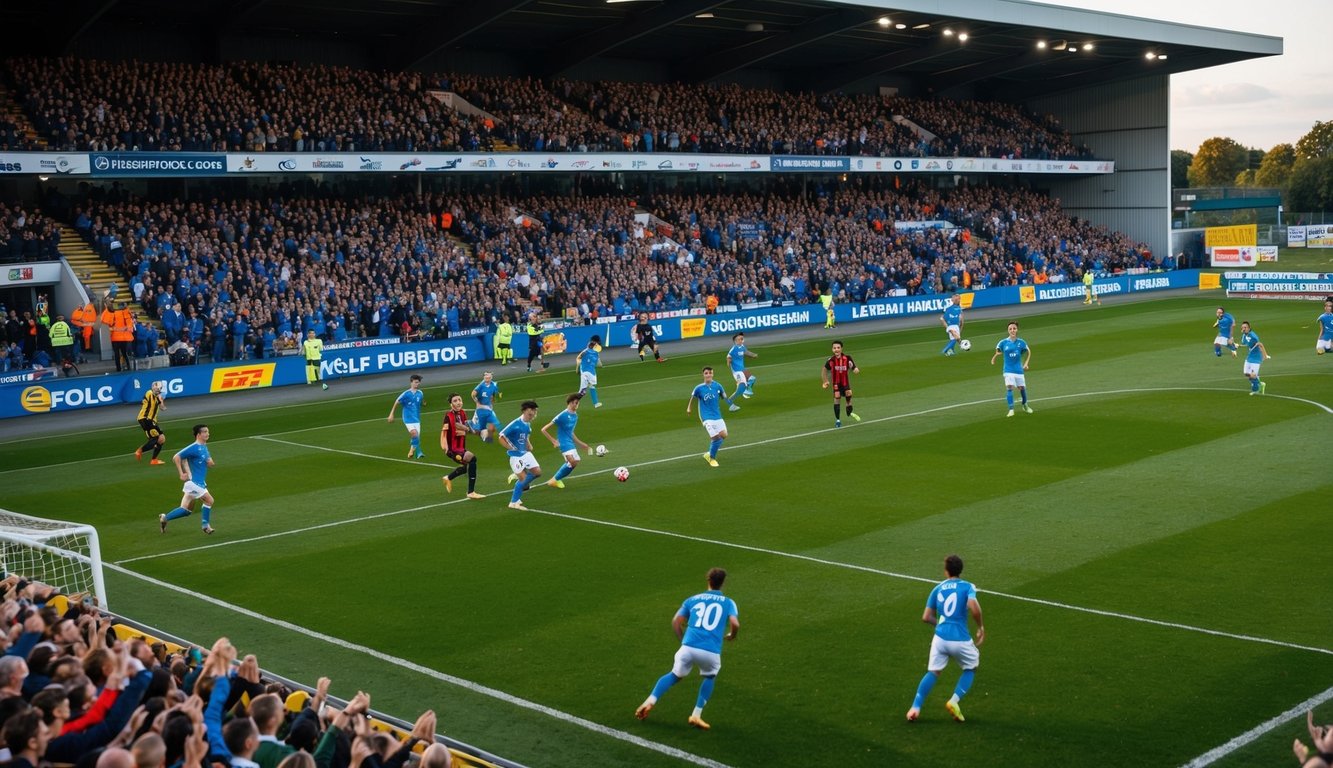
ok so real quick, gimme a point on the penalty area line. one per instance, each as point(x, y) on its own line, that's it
point(469, 685)
point(1260, 730)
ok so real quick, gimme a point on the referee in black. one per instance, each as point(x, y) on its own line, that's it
point(534, 330)
point(647, 338)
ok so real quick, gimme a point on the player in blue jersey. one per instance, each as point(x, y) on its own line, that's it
point(588, 361)
point(1223, 325)
point(710, 395)
point(1017, 354)
point(411, 400)
point(736, 361)
point(565, 439)
point(484, 396)
point(192, 463)
point(516, 439)
point(1256, 355)
point(947, 609)
point(1324, 343)
point(702, 623)
point(952, 320)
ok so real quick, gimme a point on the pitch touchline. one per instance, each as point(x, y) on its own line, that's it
point(1217, 753)
point(469, 685)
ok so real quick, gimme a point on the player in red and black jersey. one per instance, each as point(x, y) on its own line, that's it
point(838, 370)
point(453, 441)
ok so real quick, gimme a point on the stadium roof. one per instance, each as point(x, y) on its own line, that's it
point(988, 46)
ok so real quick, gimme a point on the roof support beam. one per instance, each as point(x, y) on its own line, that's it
point(592, 44)
point(462, 20)
point(743, 56)
point(993, 68)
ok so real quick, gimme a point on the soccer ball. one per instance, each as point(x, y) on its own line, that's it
point(621, 474)
point(965, 345)
point(600, 450)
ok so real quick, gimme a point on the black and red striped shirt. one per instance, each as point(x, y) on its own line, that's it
point(455, 430)
point(839, 368)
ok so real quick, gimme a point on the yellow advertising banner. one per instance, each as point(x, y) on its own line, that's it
point(1244, 234)
point(692, 327)
point(1027, 294)
point(1209, 280)
point(965, 300)
point(242, 377)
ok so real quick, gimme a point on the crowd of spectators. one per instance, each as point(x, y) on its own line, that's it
point(26, 234)
point(73, 693)
point(81, 104)
point(248, 277)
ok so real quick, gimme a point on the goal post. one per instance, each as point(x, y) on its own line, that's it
point(62, 554)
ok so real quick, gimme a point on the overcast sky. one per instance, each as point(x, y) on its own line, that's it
point(1260, 102)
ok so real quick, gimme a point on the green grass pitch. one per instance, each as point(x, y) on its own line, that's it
point(1152, 549)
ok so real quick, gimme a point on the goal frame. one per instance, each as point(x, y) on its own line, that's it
point(36, 533)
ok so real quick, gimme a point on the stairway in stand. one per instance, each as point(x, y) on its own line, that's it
point(12, 111)
point(96, 274)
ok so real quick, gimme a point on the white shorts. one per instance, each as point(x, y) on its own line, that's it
point(1015, 380)
point(519, 464)
point(191, 488)
point(962, 651)
point(688, 658)
point(587, 380)
point(1221, 341)
point(412, 426)
point(1251, 369)
point(571, 455)
point(740, 376)
point(954, 331)
point(1324, 344)
point(715, 427)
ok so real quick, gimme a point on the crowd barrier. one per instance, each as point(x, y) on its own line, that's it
point(371, 356)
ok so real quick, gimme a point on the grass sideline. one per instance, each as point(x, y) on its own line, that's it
point(1147, 485)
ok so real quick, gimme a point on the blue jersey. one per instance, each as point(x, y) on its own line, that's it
point(195, 455)
point(517, 433)
point(486, 393)
point(411, 401)
point(1224, 324)
point(1013, 354)
point(1251, 340)
point(1326, 325)
point(736, 357)
point(588, 360)
point(564, 429)
point(710, 397)
point(953, 314)
point(708, 618)
point(949, 599)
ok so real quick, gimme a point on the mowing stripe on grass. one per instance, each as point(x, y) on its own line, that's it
point(433, 673)
point(1217, 753)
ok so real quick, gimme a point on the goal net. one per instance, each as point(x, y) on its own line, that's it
point(54, 552)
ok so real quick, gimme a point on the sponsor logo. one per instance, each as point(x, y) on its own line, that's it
point(693, 166)
point(242, 377)
point(948, 165)
point(248, 164)
point(554, 344)
point(933, 165)
point(665, 165)
point(969, 165)
point(16, 378)
point(1149, 283)
point(551, 162)
point(414, 162)
point(1028, 294)
point(725, 165)
point(19, 274)
point(879, 165)
point(1073, 167)
point(11, 167)
point(754, 165)
point(692, 327)
point(636, 164)
point(38, 399)
point(514, 162)
point(485, 162)
point(775, 320)
point(611, 164)
point(860, 164)
point(916, 164)
point(897, 165)
point(368, 164)
point(447, 165)
point(580, 164)
point(287, 164)
point(101, 163)
point(318, 163)
point(59, 165)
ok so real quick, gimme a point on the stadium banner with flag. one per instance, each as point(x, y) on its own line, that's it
point(28, 396)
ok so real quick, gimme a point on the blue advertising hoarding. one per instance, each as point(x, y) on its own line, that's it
point(158, 164)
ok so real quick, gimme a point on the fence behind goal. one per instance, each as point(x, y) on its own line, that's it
point(61, 554)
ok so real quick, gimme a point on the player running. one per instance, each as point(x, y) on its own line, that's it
point(411, 400)
point(1223, 325)
point(1256, 355)
point(148, 410)
point(192, 464)
point(736, 361)
point(952, 320)
point(645, 336)
point(484, 396)
point(947, 609)
point(1324, 343)
point(453, 441)
point(710, 395)
point(839, 369)
point(588, 361)
point(565, 439)
point(516, 439)
point(1015, 365)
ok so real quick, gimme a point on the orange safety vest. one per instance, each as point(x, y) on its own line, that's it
point(123, 329)
point(446, 220)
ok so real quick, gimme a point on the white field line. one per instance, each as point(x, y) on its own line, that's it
point(469, 685)
point(1219, 752)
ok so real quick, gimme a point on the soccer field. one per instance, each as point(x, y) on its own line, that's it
point(1151, 549)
